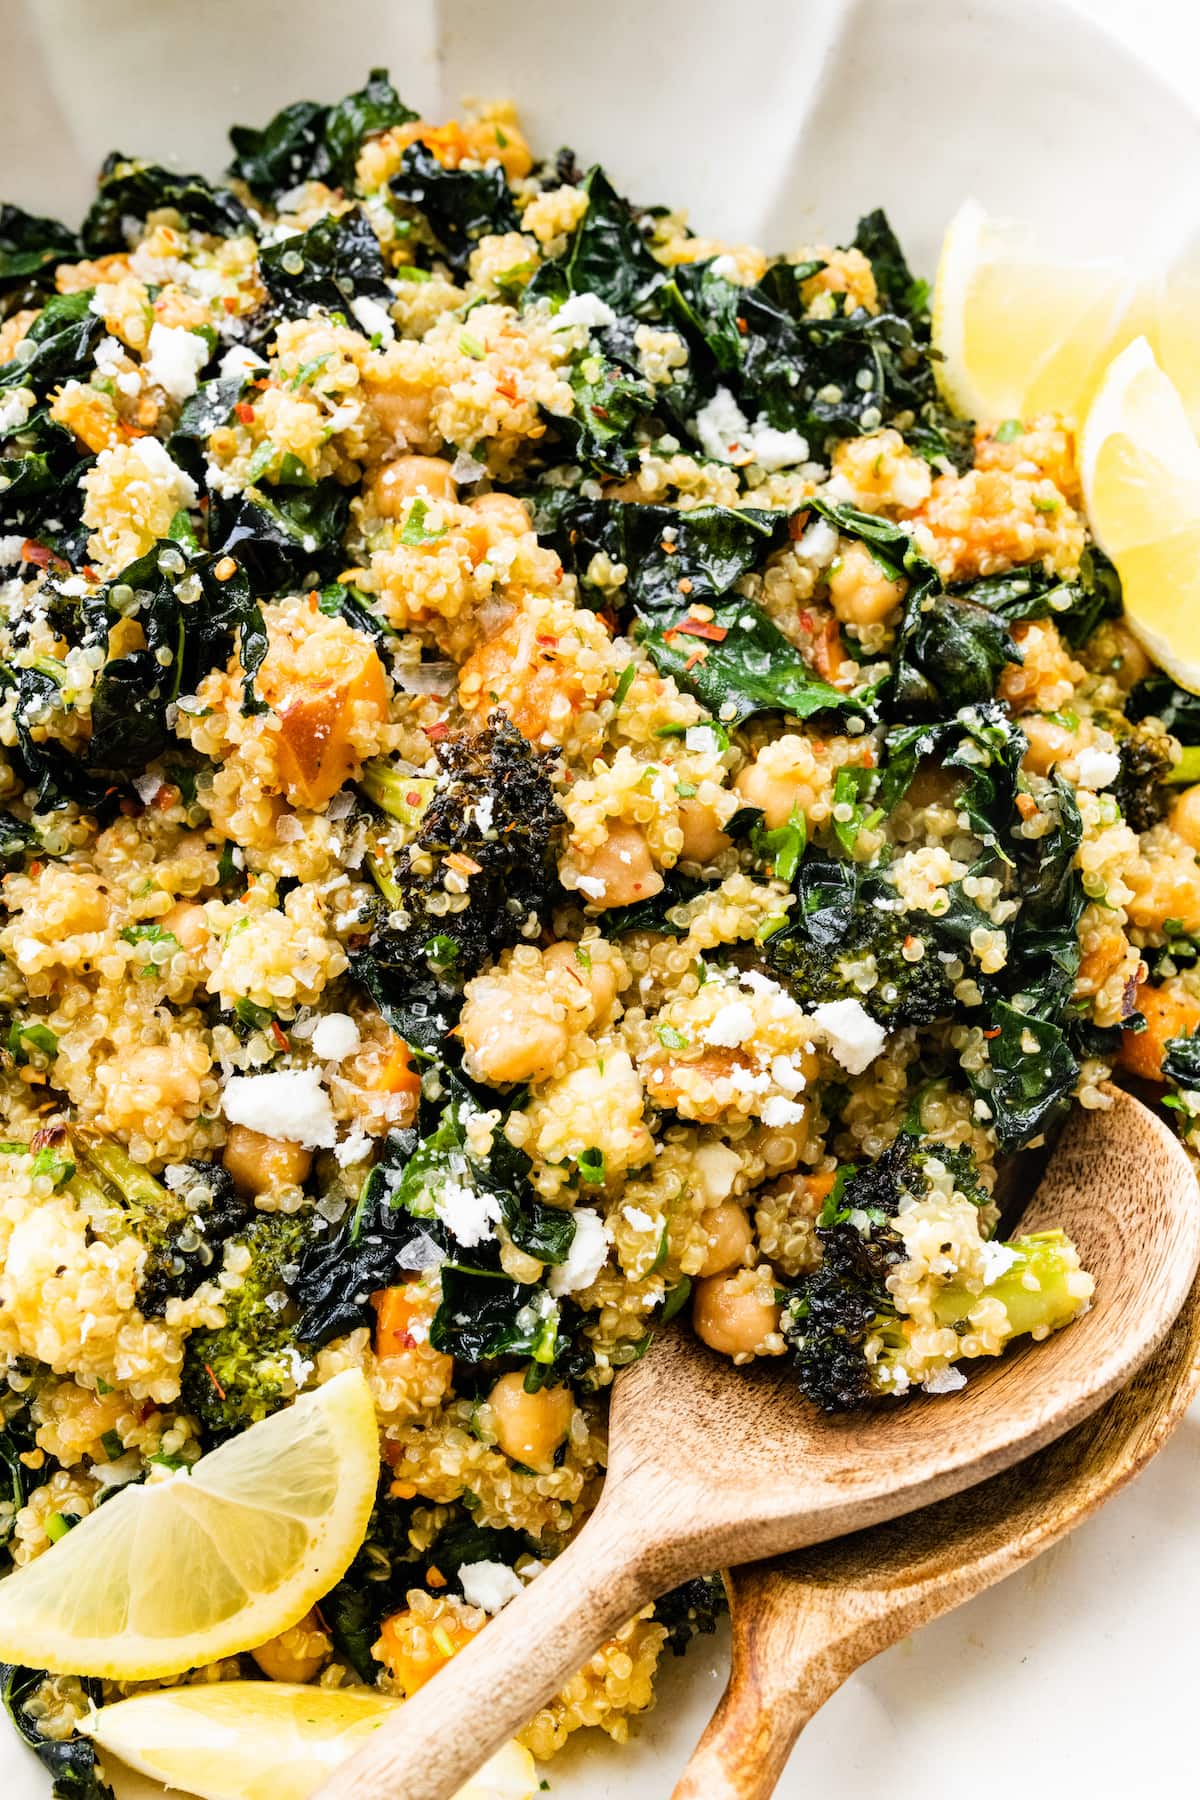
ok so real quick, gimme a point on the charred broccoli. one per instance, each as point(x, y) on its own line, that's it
point(850, 939)
point(1146, 763)
point(691, 1610)
point(490, 826)
point(854, 1337)
point(182, 1226)
point(243, 1370)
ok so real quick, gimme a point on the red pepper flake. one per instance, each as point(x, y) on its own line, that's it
point(437, 731)
point(548, 643)
point(263, 383)
point(413, 799)
point(35, 867)
point(213, 1379)
point(807, 622)
point(41, 555)
point(462, 865)
point(668, 547)
point(165, 796)
point(701, 628)
point(280, 1035)
point(229, 302)
point(697, 656)
point(245, 412)
point(993, 1033)
point(742, 326)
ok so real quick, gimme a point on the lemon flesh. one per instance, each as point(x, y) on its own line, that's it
point(1140, 467)
point(1021, 333)
point(265, 1740)
point(176, 1573)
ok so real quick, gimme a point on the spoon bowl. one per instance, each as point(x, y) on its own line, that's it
point(803, 1623)
point(712, 1465)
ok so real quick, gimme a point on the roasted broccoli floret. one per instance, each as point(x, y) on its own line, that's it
point(243, 1370)
point(909, 1283)
point(691, 1610)
point(883, 956)
point(490, 827)
point(1146, 763)
point(181, 1226)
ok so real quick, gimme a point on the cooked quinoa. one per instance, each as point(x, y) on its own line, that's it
point(547, 783)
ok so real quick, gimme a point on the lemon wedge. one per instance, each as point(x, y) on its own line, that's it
point(266, 1740)
point(175, 1573)
point(1140, 468)
point(1022, 332)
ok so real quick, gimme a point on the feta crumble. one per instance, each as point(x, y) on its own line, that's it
point(376, 320)
point(944, 1381)
point(586, 1257)
point(853, 1036)
point(290, 1104)
point(334, 1037)
point(726, 435)
point(176, 358)
point(731, 1026)
point(489, 1585)
point(584, 309)
point(1097, 768)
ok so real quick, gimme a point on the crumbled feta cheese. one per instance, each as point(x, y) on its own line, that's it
point(334, 1037)
point(238, 360)
point(1097, 768)
point(151, 452)
point(726, 267)
point(466, 468)
point(375, 319)
point(997, 1260)
point(786, 1075)
point(944, 1381)
point(10, 551)
point(586, 1257)
point(777, 1111)
point(290, 1104)
point(483, 812)
point(592, 886)
point(146, 787)
point(176, 358)
point(489, 1585)
point(15, 408)
point(701, 738)
point(727, 435)
point(470, 1216)
point(731, 1026)
point(852, 1034)
point(353, 1149)
point(634, 1215)
point(584, 309)
point(716, 1169)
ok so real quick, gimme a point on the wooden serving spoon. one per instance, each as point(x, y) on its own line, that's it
point(801, 1625)
point(710, 1465)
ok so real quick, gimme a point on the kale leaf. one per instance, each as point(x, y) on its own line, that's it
point(130, 189)
point(1181, 1061)
point(1077, 606)
point(459, 205)
point(30, 246)
point(70, 1761)
point(328, 266)
point(339, 1273)
point(282, 535)
point(608, 255)
point(65, 333)
point(310, 142)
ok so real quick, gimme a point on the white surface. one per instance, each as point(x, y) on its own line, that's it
point(1077, 1673)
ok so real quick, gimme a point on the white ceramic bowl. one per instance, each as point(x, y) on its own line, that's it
point(779, 126)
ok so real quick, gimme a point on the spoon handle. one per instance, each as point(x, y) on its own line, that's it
point(496, 1684)
point(793, 1646)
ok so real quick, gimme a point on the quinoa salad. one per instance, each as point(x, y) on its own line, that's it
point(546, 784)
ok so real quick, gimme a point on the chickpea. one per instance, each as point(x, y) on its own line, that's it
point(1165, 886)
point(188, 924)
point(860, 591)
point(728, 1315)
point(620, 871)
point(504, 510)
point(703, 839)
point(597, 973)
point(398, 480)
point(729, 1237)
point(1184, 817)
point(530, 1427)
point(296, 1654)
point(1049, 742)
point(404, 417)
point(931, 786)
point(261, 1164)
point(156, 1067)
point(509, 1035)
point(780, 781)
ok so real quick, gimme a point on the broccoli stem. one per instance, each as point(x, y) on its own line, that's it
point(1187, 769)
point(403, 797)
point(1051, 1259)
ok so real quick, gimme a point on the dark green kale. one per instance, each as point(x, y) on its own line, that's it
point(52, 776)
point(458, 205)
point(333, 263)
point(691, 1610)
point(610, 402)
point(310, 142)
point(651, 914)
point(1146, 765)
point(1077, 607)
point(30, 246)
point(71, 1761)
point(130, 189)
point(61, 344)
point(608, 255)
point(494, 805)
point(282, 535)
point(898, 290)
point(342, 600)
point(17, 1479)
point(43, 498)
point(832, 1311)
point(485, 1317)
point(1157, 697)
point(186, 1250)
point(239, 1372)
point(1181, 1061)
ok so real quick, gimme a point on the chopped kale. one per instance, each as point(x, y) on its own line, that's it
point(65, 334)
point(310, 142)
point(330, 265)
point(691, 1610)
point(71, 1761)
point(130, 189)
point(30, 246)
point(281, 535)
point(608, 255)
point(459, 205)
